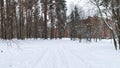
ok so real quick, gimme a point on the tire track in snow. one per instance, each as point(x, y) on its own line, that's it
point(40, 57)
point(79, 57)
point(63, 57)
point(52, 56)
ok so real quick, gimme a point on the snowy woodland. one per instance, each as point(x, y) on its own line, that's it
point(59, 33)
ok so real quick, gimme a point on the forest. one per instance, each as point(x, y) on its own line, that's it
point(59, 33)
point(45, 19)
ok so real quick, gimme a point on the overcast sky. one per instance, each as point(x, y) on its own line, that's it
point(85, 4)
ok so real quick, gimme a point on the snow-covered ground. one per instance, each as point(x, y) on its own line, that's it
point(58, 54)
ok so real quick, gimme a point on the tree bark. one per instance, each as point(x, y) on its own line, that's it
point(45, 19)
point(52, 23)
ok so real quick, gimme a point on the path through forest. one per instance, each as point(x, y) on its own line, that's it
point(58, 54)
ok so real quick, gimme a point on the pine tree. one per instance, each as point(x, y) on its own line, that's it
point(51, 19)
point(2, 19)
point(74, 23)
point(36, 18)
point(45, 19)
point(77, 18)
point(61, 16)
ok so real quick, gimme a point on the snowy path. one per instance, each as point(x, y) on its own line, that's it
point(59, 54)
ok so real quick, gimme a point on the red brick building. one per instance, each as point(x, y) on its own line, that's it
point(92, 24)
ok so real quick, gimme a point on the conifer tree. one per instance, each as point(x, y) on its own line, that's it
point(61, 16)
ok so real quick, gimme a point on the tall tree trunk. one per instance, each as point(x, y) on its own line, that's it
point(58, 19)
point(14, 20)
point(35, 20)
point(45, 19)
point(21, 20)
point(11, 19)
point(2, 18)
point(119, 34)
point(7, 23)
point(52, 23)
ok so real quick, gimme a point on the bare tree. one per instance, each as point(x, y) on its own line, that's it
point(110, 10)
